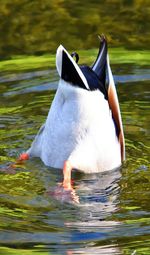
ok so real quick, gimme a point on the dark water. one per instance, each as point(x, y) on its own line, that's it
point(113, 216)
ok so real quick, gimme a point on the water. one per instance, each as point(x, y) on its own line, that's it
point(113, 216)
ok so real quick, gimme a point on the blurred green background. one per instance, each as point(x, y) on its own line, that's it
point(36, 27)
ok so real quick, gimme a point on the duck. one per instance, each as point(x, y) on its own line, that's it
point(83, 130)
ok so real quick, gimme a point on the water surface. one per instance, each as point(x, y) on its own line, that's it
point(113, 216)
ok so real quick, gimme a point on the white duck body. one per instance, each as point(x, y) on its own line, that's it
point(75, 131)
point(79, 128)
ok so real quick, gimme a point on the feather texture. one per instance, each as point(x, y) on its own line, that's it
point(80, 126)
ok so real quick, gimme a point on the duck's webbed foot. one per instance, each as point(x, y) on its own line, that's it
point(23, 156)
point(65, 191)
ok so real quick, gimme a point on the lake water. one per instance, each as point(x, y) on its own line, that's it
point(113, 216)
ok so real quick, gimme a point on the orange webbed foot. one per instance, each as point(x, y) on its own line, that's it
point(23, 156)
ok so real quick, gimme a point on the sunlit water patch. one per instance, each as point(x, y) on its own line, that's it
point(113, 214)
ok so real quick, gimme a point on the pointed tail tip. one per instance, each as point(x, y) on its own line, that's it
point(60, 49)
point(102, 38)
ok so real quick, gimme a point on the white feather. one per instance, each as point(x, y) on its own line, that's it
point(59, 64)
point(79, 128)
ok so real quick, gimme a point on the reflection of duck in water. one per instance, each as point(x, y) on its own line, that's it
point(83, 129)
point(91, 222)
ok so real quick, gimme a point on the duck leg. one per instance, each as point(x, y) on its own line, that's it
point(67, 175)
point(67, 182)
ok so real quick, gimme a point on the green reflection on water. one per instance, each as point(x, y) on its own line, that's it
point(117, 56)
point(25, 205)
point(5, 250)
